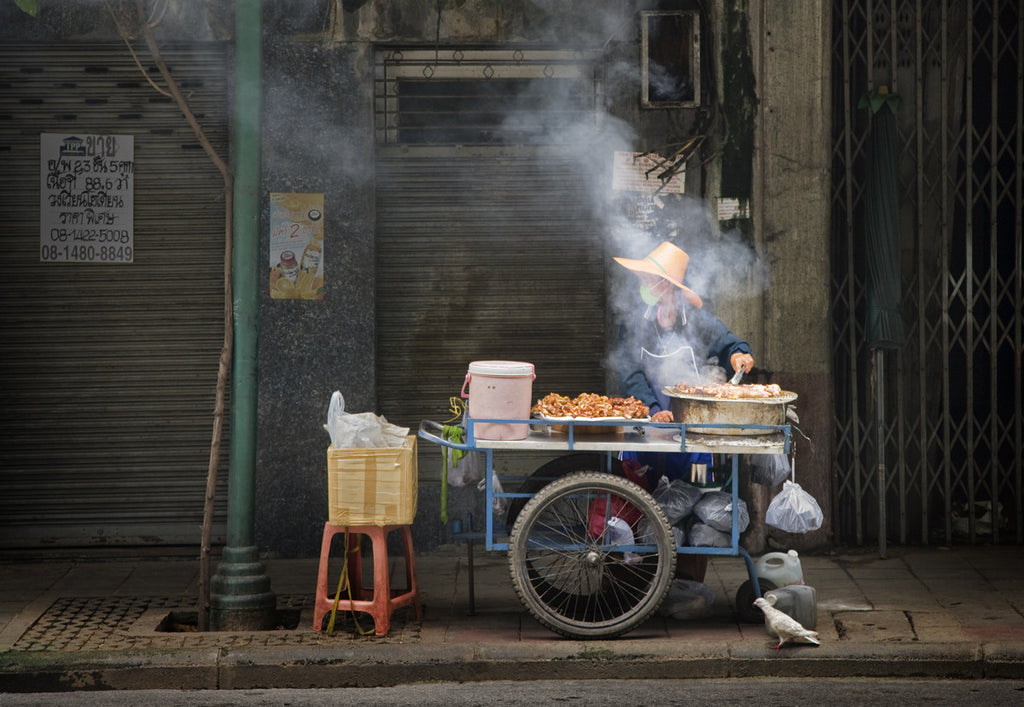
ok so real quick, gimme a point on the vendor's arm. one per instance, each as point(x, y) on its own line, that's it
point(635, 383)
point(722, 343)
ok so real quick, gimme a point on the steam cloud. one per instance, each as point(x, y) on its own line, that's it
point(722, 264)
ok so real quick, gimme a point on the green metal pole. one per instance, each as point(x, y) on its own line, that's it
point(240, 589)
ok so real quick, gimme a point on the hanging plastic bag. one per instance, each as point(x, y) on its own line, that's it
point(769, 469)
point(794, 510)
point(499, 504)
point(462, 467)
point(468, 470)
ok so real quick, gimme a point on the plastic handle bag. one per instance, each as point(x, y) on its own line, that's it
point(794, 510)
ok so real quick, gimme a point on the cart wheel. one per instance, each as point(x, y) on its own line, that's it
point(745, 601)
point(580, 585)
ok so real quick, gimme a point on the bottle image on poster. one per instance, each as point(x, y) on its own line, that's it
point(296, 246)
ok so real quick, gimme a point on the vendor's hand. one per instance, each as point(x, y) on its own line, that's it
point(742, 360)
point(662, 416)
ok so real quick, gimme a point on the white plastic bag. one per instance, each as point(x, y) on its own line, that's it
point(362, 429)
point(618, 532)
point(794, 510)
point(467, 469)
point(498, 504)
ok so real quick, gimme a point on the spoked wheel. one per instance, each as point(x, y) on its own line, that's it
point(581, 578)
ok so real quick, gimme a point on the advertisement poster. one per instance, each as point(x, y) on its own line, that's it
point(86, 198)
point(297, 246)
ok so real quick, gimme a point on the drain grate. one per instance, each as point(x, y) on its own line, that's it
point(120, 623)
point(89, 624)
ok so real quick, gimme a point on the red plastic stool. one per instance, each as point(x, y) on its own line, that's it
point(380, 600)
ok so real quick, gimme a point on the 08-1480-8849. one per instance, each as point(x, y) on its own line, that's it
point(86, 253)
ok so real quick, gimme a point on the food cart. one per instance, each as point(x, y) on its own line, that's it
point(590, 580)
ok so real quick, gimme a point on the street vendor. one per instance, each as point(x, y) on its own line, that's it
point(672, 343)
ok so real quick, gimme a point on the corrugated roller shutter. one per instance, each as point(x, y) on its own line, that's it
point(484, 257)
point(109, 371)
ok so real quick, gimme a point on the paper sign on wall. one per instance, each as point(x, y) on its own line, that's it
point(638, 171)
point(296, 246)
point(86, 195)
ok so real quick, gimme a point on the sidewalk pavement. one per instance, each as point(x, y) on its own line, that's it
point(77, 624)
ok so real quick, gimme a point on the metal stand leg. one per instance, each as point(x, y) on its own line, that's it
point(469, 565)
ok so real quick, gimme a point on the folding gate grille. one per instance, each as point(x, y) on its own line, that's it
point(950, 418)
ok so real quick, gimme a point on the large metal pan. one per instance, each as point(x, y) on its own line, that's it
point(707, 410)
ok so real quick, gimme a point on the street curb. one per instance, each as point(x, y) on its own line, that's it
point(320, 667)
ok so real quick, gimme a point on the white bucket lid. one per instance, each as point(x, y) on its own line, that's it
point(501, 368)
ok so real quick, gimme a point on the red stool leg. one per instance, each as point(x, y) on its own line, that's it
point(354, 563)
point(380, 603)
point(410, 572)
point(324, 598)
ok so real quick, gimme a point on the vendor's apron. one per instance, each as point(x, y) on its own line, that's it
point(679, 365)
point(664, 370)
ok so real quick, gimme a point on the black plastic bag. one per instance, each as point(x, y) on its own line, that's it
point(769, 469)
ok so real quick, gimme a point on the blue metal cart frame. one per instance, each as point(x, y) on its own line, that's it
point(638, 436)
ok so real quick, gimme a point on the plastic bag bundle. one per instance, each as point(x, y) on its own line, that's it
point(679, 534)
point(362, 429)
point(644, 534)
point(702, 535)
point(677, 498)
point(794, 510)
point(769, 469)
point(687, 600)
point(715, 509)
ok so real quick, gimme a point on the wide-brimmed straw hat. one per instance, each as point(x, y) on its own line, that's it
point(668, 262)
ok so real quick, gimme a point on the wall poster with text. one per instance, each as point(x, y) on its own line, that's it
point(296, 246)
point(86, 198)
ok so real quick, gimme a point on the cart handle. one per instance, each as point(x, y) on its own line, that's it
point(433, 431)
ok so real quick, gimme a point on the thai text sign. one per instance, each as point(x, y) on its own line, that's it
point(86, 198)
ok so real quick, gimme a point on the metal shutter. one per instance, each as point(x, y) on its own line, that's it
point(489, 256)
point(109, 371)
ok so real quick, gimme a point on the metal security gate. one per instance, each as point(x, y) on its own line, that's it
point(109, 370)
point(950, 463)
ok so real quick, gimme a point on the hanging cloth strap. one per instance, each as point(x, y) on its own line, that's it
point(450, 433)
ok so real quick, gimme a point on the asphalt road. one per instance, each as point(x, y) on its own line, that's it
point(613, 693)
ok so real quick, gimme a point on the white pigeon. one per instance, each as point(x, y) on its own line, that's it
point(784, 626)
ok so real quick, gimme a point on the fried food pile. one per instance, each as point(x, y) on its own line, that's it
point(727, 391)
point(591, 405)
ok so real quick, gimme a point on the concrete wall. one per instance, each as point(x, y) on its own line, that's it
point(791, 213)
point(309, 349)
point(317, 137)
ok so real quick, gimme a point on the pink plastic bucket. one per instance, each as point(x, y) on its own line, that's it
point(501, 390)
